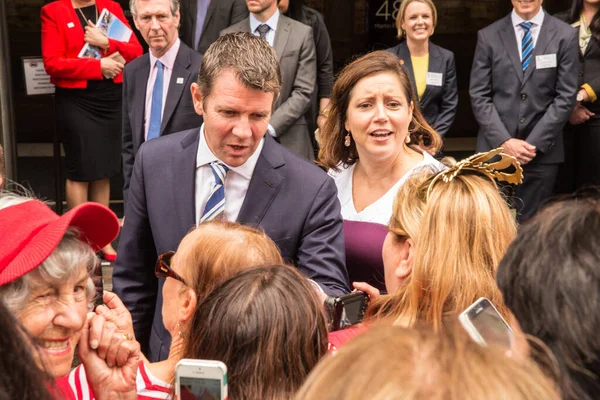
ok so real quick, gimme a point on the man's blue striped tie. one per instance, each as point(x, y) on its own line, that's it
point(526, 45)
point(156, 105)
point(216, 200)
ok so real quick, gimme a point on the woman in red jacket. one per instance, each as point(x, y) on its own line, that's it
point(88, 95)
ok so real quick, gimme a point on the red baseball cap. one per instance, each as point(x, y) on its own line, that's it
point(30, 231)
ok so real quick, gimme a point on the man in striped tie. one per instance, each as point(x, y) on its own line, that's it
point(523, 87)
point(226, 168)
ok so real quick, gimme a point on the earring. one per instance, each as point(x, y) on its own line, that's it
point(407, 139)
point(347, 140)
point(180, 330)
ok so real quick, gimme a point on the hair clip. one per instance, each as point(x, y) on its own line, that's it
point(478, 163)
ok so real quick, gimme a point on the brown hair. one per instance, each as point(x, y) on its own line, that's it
point(267, 326)
point(252, 60)
point(333, 152)
point(217, 250)
point(460, 233)
point(402, 12)
point(396, 363)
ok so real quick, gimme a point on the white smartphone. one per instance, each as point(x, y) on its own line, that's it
point(485, 324)
point(200, 380)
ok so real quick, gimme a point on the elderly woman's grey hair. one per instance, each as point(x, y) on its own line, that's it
point(173, 4)
point(66, 260)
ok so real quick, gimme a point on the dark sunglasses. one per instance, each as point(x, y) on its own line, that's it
point(163, 269)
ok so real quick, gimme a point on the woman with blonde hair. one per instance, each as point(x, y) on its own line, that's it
point(397, 363)
point(447, 235)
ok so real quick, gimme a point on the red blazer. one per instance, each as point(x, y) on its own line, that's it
point(62, 40)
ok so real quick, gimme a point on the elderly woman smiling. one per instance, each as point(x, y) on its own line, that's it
point(44, 281)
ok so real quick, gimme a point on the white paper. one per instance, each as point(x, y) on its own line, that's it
point(435, 78)
point(37, 81)
point(545, 61)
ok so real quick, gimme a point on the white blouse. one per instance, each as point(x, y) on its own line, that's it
point(381, 210)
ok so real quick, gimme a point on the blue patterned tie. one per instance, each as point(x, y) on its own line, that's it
point(216, 199)
point(156, 108)
point(262, 30)
point(526, 45)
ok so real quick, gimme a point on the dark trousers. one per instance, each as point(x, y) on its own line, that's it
point(536, 189)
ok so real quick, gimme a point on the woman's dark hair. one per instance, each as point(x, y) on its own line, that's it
point(20, 377)
point(266, 325)
point(296, 11)
point(550, 280)
point(574, 15)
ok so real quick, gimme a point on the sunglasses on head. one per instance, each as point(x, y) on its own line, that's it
point(163, 269)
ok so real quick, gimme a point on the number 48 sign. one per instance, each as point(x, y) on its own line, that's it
point(388, 10)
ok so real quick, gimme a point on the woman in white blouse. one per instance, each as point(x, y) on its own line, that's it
point(373, 139)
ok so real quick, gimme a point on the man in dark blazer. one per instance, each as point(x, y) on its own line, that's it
point(440, 99)
point(295, 47)
point(523, 103)
point(293, 201)
point(177, 108)
point(218, 15)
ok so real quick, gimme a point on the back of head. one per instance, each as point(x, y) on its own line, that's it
point(460, 230)
point(395, 363)
point(250, 58)
point(550, 279)
point(218, 250)
point(267, 326)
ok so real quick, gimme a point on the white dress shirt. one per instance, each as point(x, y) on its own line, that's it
point(272, 22)
point(537, 21)
point(236, 181)
point(167, 60)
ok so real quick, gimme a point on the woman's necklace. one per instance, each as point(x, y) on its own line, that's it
point(84, 18)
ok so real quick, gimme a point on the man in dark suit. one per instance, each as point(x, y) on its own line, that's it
point(295, 47)
point(172, 103)
point(202, 20)
point(523, 87)
point(174, 186)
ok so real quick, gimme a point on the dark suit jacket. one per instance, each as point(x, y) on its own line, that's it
point(291, 200)
point(438, 103)
point(179, 111)
point(220, 15)
point(533, 106)
point(295, 48)
point(589, 68)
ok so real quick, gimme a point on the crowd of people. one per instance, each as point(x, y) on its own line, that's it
point(234, 237)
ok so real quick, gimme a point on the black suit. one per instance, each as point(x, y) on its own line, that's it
point(178, 113)
point(533, 105)
point(220, 15)
point(290, 199)
point(582, 141)
point(438, 103)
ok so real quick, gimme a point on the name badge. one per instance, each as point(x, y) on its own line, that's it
point(545, 61)
point(70, 25)
point(180, 81)
point(434, 78)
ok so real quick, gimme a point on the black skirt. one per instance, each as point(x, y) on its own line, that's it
point(88, 122)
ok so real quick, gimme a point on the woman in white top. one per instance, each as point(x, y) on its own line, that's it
point(374, 138)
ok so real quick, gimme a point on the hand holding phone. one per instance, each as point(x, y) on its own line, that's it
point(200, 380)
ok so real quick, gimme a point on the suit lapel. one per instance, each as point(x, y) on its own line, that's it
point(211, 9)
point(264, 185)
point(183, 185)
point(139, 99)
point(180, 71)
point(547, 33)
point(282, 34)
point(404, 55)
point(509, 41)
point(435, 65)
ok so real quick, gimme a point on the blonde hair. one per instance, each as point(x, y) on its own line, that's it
point(460, 234)
point(396, 363)
point(402, 12)
point(218, 250)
